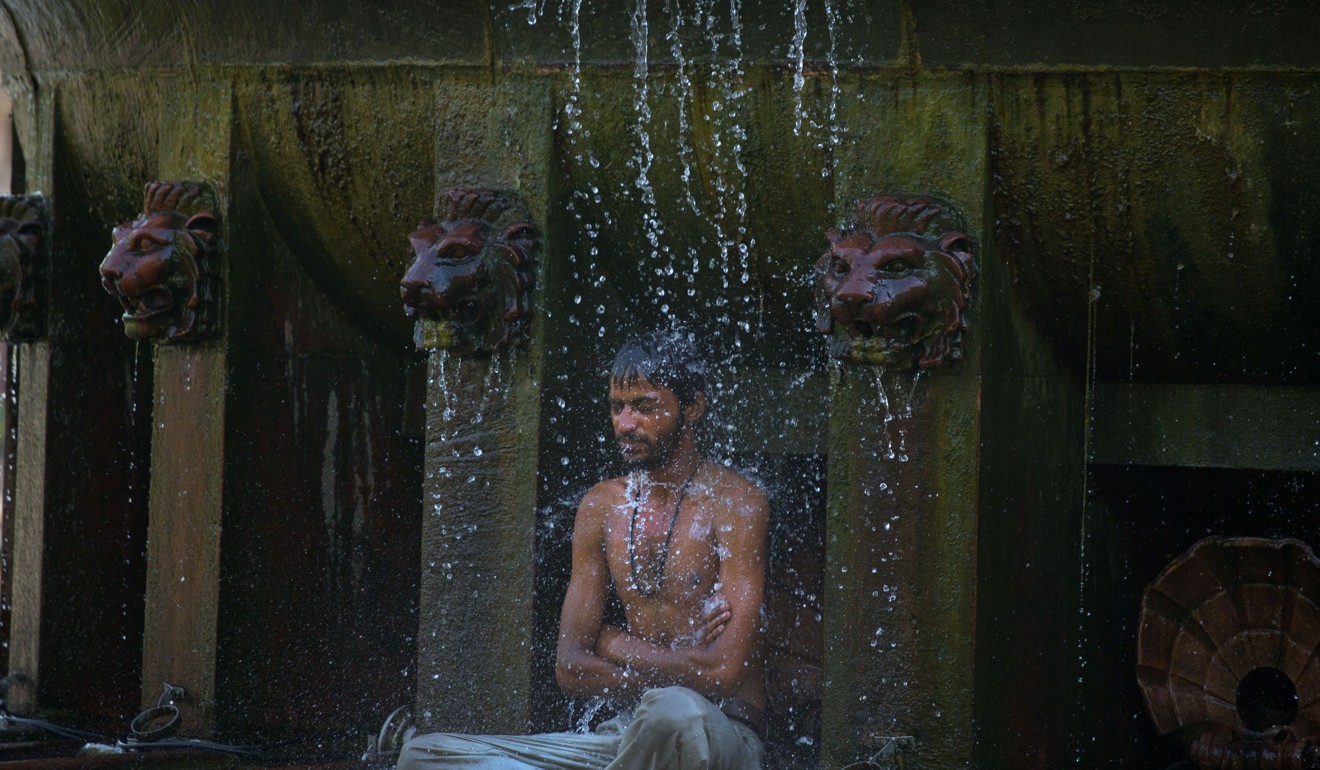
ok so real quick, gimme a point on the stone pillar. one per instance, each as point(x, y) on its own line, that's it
point(77, 535)
point(477, 543)
point(24, 263)
point(281, 569)
point(188, 491)
point(474, 642)
point(901, 544)
point(1036, 533)
point(36, 117)
point(183, 541)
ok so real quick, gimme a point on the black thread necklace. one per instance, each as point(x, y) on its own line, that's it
point(664, 552)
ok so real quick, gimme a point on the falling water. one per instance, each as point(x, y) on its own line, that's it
point(673, 183)
point(534, 9)
point(797, 51)
point(897, 411)
point(835, 134)
point(889, 412)
point(460, 429)
point(644, 157)
point(1083, 563)
point(6, 532)
point(904, 412)
point(492, 384)
point(685, 160)
point(132, 411)
point(443, 390)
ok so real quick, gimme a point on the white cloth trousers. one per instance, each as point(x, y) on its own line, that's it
point(673, 728)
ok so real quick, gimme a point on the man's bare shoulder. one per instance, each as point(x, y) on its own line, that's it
point(603, 495)
point(589, 524)
point(737, 494)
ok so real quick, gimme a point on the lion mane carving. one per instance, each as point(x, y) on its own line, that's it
point(22, 266)
point(164, 265)
point(894, 283)
point(471, 282)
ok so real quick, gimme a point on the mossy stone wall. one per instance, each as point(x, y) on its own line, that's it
point(1135, 176)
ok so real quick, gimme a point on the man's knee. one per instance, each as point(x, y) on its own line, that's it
point(410, 755)
point(673, 710)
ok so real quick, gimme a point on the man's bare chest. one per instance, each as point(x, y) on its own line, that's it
point(650, 558)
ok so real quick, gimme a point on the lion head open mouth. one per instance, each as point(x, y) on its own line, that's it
point(154, 302)
point(902, 332)
point(469, 286)
point(163, 267)
point(437, 306)
point(892, 287)
point(420, 304)
point(883, 344)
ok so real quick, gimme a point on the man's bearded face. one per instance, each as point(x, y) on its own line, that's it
point(647, 420)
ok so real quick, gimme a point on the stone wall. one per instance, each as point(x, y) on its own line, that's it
point(1136, 181)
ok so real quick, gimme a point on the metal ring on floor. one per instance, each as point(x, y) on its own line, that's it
point(155, 723)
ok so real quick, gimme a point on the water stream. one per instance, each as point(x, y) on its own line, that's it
point(673, 181)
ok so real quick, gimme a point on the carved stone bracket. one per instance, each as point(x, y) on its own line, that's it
point(470, 286)
point(1225, 653)
point(23, 267)
point(893, 286)
point(164, 266)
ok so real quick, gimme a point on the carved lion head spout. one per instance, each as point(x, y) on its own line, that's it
point(471, 282)
point(893, 286)
point(164, 266)
point(22, 266)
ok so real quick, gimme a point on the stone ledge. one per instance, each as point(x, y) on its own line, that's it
point(1207, 426)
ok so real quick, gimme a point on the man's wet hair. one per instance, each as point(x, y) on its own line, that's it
point(664, 358)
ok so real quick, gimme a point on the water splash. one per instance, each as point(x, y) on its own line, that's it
point(589, 713)
point(534, 8)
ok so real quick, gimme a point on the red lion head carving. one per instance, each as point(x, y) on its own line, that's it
point(471, 281)
point(164, 267)
point(894, 284)
point(22, 266)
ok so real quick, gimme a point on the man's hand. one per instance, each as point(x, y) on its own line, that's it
point(707, 627)
point(711, 622)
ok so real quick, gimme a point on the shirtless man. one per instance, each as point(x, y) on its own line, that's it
point(683, 542)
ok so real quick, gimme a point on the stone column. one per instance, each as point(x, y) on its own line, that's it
point(283, 449)
point(36, 116)
point(188, 492)
point(474, 642)
point(79, 512)
point(901, 545)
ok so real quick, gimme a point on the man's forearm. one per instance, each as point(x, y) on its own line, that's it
point(587, 674)
point(699, 668)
